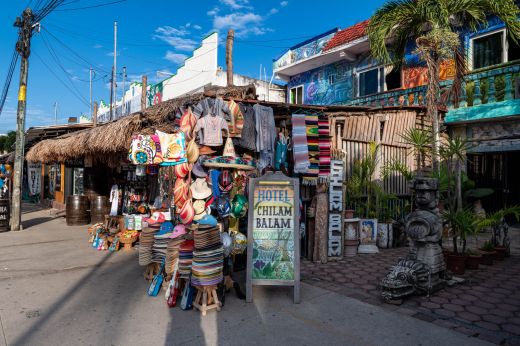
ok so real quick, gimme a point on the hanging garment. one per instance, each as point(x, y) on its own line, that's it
point(236, 124)
point(248, 136)
point(281, 152)
point(324, 148)
point(321, 204)
point(114, 199)
point(266, 135)
point(145, 150)
point(300, 147)
point(173, 146)
point(311, 123)
point(211, 127)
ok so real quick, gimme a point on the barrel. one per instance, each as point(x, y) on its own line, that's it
point(99, 207)
point(77, 210)
point(5, 215)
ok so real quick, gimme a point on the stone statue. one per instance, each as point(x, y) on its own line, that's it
point(423, 227)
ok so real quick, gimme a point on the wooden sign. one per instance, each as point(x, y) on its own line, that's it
point(335, 248)
point(273, 240)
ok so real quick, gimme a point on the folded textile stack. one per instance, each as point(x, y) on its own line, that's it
point(185, 258)
point(208, 257)
point(146, 241)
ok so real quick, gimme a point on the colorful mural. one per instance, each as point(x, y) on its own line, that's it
point(418, 75)
point(154, 94)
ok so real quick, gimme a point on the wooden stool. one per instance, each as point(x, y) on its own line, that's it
point(206, 299)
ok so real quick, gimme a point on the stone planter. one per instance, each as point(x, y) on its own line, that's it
point(351, 248)
point(500, 253)
point(487, 257)
point(385, 235)
point(473, 261)
point(457, 264)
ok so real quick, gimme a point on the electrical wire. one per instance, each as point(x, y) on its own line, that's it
point(46, 10)
point(10, 72)
point(92, 6)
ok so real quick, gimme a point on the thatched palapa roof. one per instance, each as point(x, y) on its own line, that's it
point(108, 142)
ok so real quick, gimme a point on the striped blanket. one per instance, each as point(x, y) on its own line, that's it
point(311, 124)
point(324, 148)
point(300, 149)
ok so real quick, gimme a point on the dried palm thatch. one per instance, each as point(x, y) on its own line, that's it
point(108, 142)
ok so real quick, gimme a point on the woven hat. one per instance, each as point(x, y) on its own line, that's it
point(229, 159)
point(200, 189)
point(182, 170)
point(187, 212)
point(192, 151)
point(225, 181)
point(205, 150)
point(200, 209)
point(180, 193)
point(187, 123)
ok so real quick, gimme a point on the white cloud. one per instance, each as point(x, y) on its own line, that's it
point(176, 37)
point(213, 12)
point(284, 3)
point(97, 46)
point(112, 54)
point(243, 23)
point(273, 11)
point(236, 4)
point(176, 58)
point(197, 27)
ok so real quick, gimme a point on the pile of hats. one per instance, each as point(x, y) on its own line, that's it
point(185, 259)
point(202, 198)
point(176, 238)
point(160, 244)
point(146, 241)
point(208, 258)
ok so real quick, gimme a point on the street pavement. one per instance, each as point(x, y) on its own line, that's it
point(56, 290)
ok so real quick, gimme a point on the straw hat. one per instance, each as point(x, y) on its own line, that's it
point(187, 123)
point(192, 151)
point(187, 212)
point(180, 193)
point(182, 170)
point(200, 209)
point(200, 189)
point(229, 159)
point(205, 150)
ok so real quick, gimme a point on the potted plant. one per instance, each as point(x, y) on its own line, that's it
point(462, 223)
point(496, 222)
point(473, 260)
point(488, 253)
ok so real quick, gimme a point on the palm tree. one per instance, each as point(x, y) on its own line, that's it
point(433, 24)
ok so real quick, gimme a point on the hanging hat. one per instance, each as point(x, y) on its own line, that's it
point(200, 189)
point(187, 123)
point(239, 243)
point(227, 243)
point(200, 209)
point(225, 181)
point(192, 151)
point(182, 170)
point(229, 149)
point(180, 193)
point(187, 212)
point(198, 170)
point(223, 206)
point(229, 159)
point(239, 206)
point(205, 150)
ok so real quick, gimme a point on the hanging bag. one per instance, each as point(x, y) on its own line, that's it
point(155, 286)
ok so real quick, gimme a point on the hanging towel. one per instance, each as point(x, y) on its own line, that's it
point(324, 147)
point(311, 124)
point(300, 147)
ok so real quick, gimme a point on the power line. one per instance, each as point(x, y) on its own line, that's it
point(92, 6)
point(12, 66)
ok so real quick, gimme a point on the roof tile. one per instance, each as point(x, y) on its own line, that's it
point(347, 35)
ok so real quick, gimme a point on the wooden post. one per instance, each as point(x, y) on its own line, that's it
point(143, 92)
point(229, 56)
point(94, 114)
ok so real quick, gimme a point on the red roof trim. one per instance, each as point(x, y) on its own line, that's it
point(347, 35)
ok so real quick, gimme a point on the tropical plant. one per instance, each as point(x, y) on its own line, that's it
point(434, 24)
point(462, 223)
point(495, 220)
point(420, 140)
point(454, 154)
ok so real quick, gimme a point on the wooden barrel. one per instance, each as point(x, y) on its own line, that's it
point(5, 215)
point(77, 211)
point(99, 207)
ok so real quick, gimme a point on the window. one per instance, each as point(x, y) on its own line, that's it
point(377, 80)
point(493, 49)
point(296, 95)
point(332, 78)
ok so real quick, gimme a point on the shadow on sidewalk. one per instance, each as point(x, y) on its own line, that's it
point(35, 222)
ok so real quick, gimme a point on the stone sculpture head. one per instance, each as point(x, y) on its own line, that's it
point(425, 192)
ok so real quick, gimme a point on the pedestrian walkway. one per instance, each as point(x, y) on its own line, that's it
point(486, 306)
point(55, 289)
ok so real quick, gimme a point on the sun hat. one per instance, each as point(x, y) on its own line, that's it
point(178, 231)
point(239, 206)
point(187, 212)
point(200, 189)
point(200, 209)
point(180, 193)
point(187, 123)
point(182, 170)
point(229, 159)
point(205, 150)
point(198, 170)
point(227, 243)
point(225, 181)
point(192, 151)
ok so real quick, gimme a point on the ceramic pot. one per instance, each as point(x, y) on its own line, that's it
point(349, 213)
point(351, 248)
point(500, 253)
point(457, 264)
point(487, 257)
point(473, 261)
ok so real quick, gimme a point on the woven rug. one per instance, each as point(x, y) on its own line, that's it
point(311, 124)
point(300, 148)
point(324, 148)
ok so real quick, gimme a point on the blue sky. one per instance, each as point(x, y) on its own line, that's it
point(152, 35)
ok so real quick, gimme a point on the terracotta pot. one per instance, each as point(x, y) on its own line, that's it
point(457, 264)
point(349, 213)
point(473, 261)
point(500, 253)
point(487, 257)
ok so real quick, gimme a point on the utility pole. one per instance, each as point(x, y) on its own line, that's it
point(56, 113)
point(144, 88)
point(229, 56)
point(90, 99)
point(94, 115)
point(23, 47)
point(124, 91)
point(113, 90)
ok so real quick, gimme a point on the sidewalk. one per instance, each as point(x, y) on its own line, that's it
point(55, 289)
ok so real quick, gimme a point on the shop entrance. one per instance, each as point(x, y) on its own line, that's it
point(500, 172)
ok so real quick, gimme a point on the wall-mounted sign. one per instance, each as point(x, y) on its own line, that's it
point(273, 244)
point(336, 209)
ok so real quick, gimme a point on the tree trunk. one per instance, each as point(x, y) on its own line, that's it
point(458, 183)
point(432, 101)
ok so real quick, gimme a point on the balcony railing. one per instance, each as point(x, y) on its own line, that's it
point(493, 85)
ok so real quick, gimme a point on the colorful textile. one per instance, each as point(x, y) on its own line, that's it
point(311, 124)
point(211, 127)
point(324, 148)
point(236, 124)
point(173, 147)
point(248, 138)
point(300, 148)
point(145, 150)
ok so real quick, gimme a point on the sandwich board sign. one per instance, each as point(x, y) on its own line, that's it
point(273, 238)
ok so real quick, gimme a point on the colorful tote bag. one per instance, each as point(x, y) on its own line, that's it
point(145, 150)
point(173, 148)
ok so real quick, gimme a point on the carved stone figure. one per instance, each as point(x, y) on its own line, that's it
point(406, 278)
point(423, 227)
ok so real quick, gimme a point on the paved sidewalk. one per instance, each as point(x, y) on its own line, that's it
point(487, 306)
point(55, 289)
